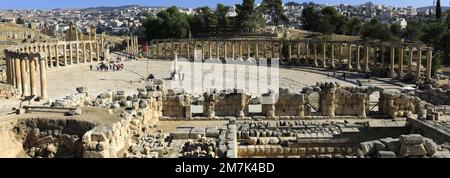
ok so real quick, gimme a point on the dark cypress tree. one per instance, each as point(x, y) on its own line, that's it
point(438, 10)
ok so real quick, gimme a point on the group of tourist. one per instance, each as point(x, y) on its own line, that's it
point(103, 67)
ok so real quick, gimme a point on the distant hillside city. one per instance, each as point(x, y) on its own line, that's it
point(122, 20)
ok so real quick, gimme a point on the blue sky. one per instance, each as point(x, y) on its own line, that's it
point(50, 4)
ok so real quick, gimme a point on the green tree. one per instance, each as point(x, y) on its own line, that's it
point(221, 16)
point(170, 23)
point(412, 32)
point(438, 10)
point(247, 16)
point(274, 8)
point(202, 20)
point(375, 30)
point(448, 18)
point(309, 18)
point(355, 25)
point(433, 33)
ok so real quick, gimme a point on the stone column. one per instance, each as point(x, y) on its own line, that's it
point(128, 45)
point(248, 50)
point(84, 52)
point(273, 50)
point(429, 62)
point(307, 51)
point(90, 52)
point(392, 63)
point(165, 49)
point(43, 76)
point(315, 55)
point(70, 53)
point(400, 62)
point(65, 53)
point(225, 50)
point(77, 52)
point(410, 59)
point(241, 52)
point(33, 76)
point(358, 57)
point(333, 65)
point(341, 54)
point(210, 49)
point(256, 50)
point(57, 55)
point(419, 63)
point(97, 51)
point(18, 74)
point(289, 53)
point(299, 52)
point(366, 59)
point(188, 45)
point(218, 49)
point(50, 56)
point(324, 55)
point(157, 50)
point(383, 58)
point(233, 52)
point(349, 57)
point(25, 84)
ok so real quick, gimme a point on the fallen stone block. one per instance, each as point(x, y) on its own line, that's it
point(413, 150)
point(413, 139)
point(386, 154)
point(391, 144)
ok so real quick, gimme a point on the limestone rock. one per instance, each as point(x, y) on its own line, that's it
point(386, 154)
point(412, 150)
point(413, 139)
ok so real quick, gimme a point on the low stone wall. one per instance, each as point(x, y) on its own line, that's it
point(106, 142)
point(400, 105)
point(435, 96)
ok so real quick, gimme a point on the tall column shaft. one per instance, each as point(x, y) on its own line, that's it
point(429, 62)
point(324, 55)
point(43, 77)
point(410, 59)
point(25, 84)
point(366, 59)
point(419, 63)
point(33, 76)
point(18, 75)
point(315, 56)
point(50, 56)
point(333, 65)
point(65, 53)
point(383, 58)
point(392, 63)
point(90, 52)
point(358, 57)
point(349, 57)
point(400, 61)
point(57, 55)
point(71, 53)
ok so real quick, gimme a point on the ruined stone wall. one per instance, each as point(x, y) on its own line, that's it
point(436, 96)
point(176, 106)
point(400, 105)
point(234, 104)
point(104, 142)
point(288, 104)
point(351, 104)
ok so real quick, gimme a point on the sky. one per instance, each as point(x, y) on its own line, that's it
point(51, 4)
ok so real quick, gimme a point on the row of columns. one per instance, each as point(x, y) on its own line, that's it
point(22, 62)
point(361, 57)
point(21, 73)
point(368, 60)
point(132, 45)
point(221, 49)
point(66, 53)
